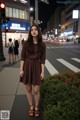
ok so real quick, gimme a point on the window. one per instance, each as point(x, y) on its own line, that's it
point(7, 13)
point(22, 14)
point(10, 12)
point(16, 13)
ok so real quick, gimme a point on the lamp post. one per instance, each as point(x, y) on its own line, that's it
point(31, 17)
point(36, 9)
point(2, 58)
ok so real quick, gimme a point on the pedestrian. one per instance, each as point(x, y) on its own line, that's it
point(11, 51)
point(32, 67)
point(16, 51)
point(22, 42)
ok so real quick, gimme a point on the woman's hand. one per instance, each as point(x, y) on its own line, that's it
point(42, 76)
point(21, 73)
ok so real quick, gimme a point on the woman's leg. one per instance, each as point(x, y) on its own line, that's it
point(12, 57)
point(29, 97)
point(9, 58)
point(29, 93)
point(36, 96)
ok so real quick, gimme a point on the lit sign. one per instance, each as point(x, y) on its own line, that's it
point(22, 1)
point(75, 14)
point(68, 33)
point(16, 26)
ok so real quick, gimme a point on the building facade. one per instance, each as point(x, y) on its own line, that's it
point(19, 20)
point(70, 26)
point(54, 23)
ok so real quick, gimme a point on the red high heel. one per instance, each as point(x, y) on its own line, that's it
point(31, 111)
point(37, 112)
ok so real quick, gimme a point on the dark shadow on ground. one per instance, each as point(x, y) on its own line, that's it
point(14, 64)
point(20, 109)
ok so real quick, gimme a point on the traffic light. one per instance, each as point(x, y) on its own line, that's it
point(2, 12)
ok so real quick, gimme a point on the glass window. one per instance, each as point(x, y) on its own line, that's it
point(10, 12)
point(7, 13)
point(27, 16)
point(14, 12)
point(17, 13)
point(22, 14)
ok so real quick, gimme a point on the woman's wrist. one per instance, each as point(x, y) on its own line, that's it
point(21, 70)
point(42, 72)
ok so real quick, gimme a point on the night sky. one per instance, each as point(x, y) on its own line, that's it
point(45, 11)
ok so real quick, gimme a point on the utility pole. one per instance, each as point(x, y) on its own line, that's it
point(36, 12)
point(36, 9)
point(2, 18)
point(2, 58)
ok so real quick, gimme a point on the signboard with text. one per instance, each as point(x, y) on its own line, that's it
point(17, 26)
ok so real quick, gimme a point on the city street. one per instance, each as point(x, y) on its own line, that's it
point(60, 57)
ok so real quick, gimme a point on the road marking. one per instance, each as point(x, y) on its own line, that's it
point(50, 68)
point(76, 59)
point(68, 65)
point(50, 47)
point(75, 51)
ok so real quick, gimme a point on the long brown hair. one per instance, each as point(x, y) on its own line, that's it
point(30, 44)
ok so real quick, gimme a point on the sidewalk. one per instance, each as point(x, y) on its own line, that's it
point(12, 92)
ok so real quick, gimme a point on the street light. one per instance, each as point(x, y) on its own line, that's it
point(2, 12)
point(2, 5)
point(31, 9)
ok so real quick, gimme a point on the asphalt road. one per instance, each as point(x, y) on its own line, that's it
point(62, 57)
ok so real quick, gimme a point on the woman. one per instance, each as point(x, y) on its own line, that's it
point(32, 66)
point(16, 51)
point(11, 51)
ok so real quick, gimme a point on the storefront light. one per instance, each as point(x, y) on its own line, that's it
point(15, 26)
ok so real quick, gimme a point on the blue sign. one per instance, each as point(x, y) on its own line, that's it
point(68, 32)
point(14, 25)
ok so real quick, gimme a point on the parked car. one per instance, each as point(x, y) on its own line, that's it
point(77, 40)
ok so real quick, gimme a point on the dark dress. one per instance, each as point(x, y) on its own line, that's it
point(16, 51)
point(32, 64)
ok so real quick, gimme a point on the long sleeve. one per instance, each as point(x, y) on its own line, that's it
point(23, 52)
point(43, 55)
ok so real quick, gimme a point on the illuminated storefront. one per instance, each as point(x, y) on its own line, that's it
point(16, 30)
point(18, 25)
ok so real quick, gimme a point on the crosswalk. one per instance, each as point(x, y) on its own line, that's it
point(76, 59)
point(52, 70)
point(53, 47)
